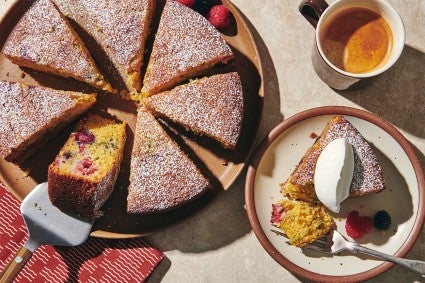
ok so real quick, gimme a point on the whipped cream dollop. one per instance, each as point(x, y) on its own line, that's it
point(334, 173)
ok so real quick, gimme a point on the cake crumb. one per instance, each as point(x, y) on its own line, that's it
point(313, 135)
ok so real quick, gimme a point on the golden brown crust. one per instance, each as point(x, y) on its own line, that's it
point(212, 106)
point(185, 45)
point(367, 178)
point(162, 177)
point(43, 40)
point(30, 115)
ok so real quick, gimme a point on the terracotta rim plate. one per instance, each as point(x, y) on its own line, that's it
point(220, 166)
point(404, 197)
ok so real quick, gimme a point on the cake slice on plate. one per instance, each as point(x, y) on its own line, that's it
point(367, 177)
point(43, 40)
point(120, 28)
point(302, 222)
point(29, 115)
point(185, 45)
point(162, 177)
point(83, 175)
point(211, 106)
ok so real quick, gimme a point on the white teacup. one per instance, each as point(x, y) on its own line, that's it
point(321, 16)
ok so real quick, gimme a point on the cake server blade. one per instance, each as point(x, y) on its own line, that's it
point(46, 225)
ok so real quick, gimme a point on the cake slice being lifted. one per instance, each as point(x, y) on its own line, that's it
point(83, 175)
point(185, 45)
point(162, 177)
point(367, 177)
point(29, 115)
point(119, 27)
point(43, 40)
point(212, 106)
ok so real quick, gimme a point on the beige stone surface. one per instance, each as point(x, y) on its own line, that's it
point(217, 244)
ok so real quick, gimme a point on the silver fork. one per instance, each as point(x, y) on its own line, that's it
point(334, 243)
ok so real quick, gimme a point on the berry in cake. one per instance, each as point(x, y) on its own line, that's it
point(162, 177)
point(186, 45)
point(382, 220)
point(219, 16)
point(44, 40)
point(83, 175)
point(357, 226)
point(302, 222)
point(120, 28)
point(211, 106)
point(30, 115)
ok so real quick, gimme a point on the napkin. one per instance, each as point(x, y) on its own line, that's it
point(97, 260)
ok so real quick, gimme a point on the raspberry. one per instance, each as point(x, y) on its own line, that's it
point(357, 226)
point(188, 3)
point(86, 166)
point(277, 212)
point(219, 16)
point(382, 220)
point(203, 6)
point(84, 137)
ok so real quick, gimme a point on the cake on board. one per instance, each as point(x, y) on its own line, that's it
point(44, 40)
point(186, 45)
point(30, 115)
point(162, 176)
point(120, 28)
point(211, 106)
point(83, 174)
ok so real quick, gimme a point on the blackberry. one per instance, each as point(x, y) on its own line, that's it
point(382, 220)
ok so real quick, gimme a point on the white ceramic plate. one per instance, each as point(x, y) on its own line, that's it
point(403, 199)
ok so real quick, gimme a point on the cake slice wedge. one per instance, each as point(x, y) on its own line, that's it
point(367, 178)
point(162, 177)
point(83, 174)
point(185, 46)
point(119, 27)
point(211, 106)
point(30, 115)
point(43, 40)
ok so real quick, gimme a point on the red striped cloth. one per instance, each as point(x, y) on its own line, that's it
point(97, 260)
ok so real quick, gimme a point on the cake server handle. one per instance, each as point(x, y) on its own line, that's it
point(18, 262)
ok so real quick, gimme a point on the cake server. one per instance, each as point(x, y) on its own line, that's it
point(46, 225)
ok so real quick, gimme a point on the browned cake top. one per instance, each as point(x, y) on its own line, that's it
point(185, 40)
point(367, 175)
point(120, 27)
point(25, 110)
point(210, 106)
point(42, 37)
point(162, 176)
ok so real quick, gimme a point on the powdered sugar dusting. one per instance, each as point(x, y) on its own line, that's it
point(26, 110)
point(367, 176)
point(44, 41)
point(119, 27)
point(185, 41)
point(210, 106)
point(162, 176)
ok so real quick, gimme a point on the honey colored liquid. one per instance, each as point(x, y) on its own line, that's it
point(357, 40)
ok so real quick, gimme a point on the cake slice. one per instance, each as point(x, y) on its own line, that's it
point(185, 45)
point(162, 177)
point(367, 177)
point(119, 27)
point(83, 175)
point(30, 115)
point(212, 106)
point(43, 40)
point(302, 222)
